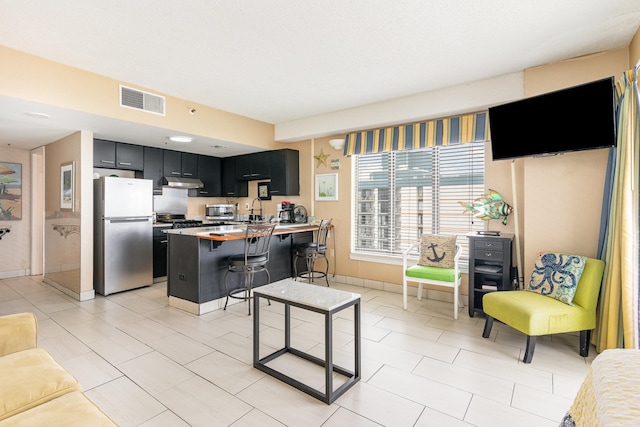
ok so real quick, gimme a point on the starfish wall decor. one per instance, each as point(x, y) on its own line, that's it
point(321, 158)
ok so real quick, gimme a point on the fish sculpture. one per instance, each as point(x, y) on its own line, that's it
point(489, 206)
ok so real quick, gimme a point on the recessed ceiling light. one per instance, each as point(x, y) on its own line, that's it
point(38, 115)
point(180, 138)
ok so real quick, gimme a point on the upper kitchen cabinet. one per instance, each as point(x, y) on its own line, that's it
point(129, 157)
point(104, 154)
point(210, 173)
point(154, 168)
point(178, 164)
point(109, 154)
point(231, 187)
point(172, 163)
point(285, 172)
point(189, 165)
point(252, 166)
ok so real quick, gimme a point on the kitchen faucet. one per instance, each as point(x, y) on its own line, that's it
point(251, 215)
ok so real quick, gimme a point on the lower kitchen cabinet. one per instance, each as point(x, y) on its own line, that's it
point(160, 240)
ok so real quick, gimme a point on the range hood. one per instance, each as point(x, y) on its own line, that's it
point(175, 182)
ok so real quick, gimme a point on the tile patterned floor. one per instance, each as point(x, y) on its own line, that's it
point(147, 364)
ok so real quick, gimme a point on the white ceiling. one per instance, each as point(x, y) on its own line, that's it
point(281, 60)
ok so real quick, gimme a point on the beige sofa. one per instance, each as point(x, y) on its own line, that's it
point(35, 390)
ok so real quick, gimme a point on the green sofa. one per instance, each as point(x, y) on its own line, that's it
point(35, 390)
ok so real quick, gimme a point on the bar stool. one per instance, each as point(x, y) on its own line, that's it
point(312, 251)
point(253, 260)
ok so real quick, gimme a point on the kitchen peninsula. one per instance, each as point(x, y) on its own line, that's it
point(197, 262)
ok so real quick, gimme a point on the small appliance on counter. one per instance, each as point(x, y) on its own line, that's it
point(226, 212)
point(285, 212)
point(300, 214)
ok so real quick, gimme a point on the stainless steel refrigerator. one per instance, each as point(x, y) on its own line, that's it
point(123, 234)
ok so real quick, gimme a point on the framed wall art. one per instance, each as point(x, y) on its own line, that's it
point(67, 189)
point(10, 191)
point(327, 187)
point(264, 191)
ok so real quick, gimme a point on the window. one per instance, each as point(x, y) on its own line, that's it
point(402, 194)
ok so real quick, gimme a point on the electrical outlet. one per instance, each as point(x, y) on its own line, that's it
point(246, 205)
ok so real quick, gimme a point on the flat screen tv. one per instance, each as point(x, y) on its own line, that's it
point(577, 118)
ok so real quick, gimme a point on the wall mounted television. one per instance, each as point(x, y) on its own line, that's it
point(573, 119)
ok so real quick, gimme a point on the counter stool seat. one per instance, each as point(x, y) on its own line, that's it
point(252, 261)
point(311, 252)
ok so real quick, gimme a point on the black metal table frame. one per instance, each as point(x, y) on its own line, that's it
point(330, 395)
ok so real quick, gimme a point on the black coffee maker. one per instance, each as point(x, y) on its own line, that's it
point(286, 213)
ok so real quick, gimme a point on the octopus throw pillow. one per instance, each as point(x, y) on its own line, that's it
point(557, 275)
point(437, 251)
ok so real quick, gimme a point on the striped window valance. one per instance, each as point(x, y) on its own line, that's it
point(449, 131)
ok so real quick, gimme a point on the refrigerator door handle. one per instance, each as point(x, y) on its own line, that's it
point(132, 219)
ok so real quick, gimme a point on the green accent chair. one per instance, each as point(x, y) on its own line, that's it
point(448, 277)
point(534, 314)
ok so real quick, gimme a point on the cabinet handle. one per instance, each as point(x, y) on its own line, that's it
point(275, 191)
point(487, 254)
point(107, 161)
point(187, 174)
point(204, 192)
point(163, 241)
point(175, 173)
point(125, 163)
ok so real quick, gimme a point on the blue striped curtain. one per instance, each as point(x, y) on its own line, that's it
point(450, 131)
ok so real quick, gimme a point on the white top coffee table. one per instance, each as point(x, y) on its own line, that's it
point(319, 299)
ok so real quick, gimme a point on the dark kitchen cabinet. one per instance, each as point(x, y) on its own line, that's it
point(285, 172)
point(153, 167)
point(210, 173)
point(253, 166)
point(189, 165)
point(117, 155)
point(172, 163)
point(104, 154)
point(231, 187)
point(178, 164)
point(160, 251)
point(130, 157)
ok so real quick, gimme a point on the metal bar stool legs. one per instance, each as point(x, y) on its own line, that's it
point(252, 261)
point(312, 251)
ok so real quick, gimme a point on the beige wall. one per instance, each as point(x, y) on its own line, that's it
point(15, 246)
point(36, 79)
point(68, 235)
point(563, 194)
point(558, 199)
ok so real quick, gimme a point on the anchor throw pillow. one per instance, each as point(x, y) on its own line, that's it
point(557, 275)
point(437, 251)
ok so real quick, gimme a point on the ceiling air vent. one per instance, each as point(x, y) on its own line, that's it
point(139, 100)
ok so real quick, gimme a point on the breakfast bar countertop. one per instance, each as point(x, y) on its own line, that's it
point(236, 232)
